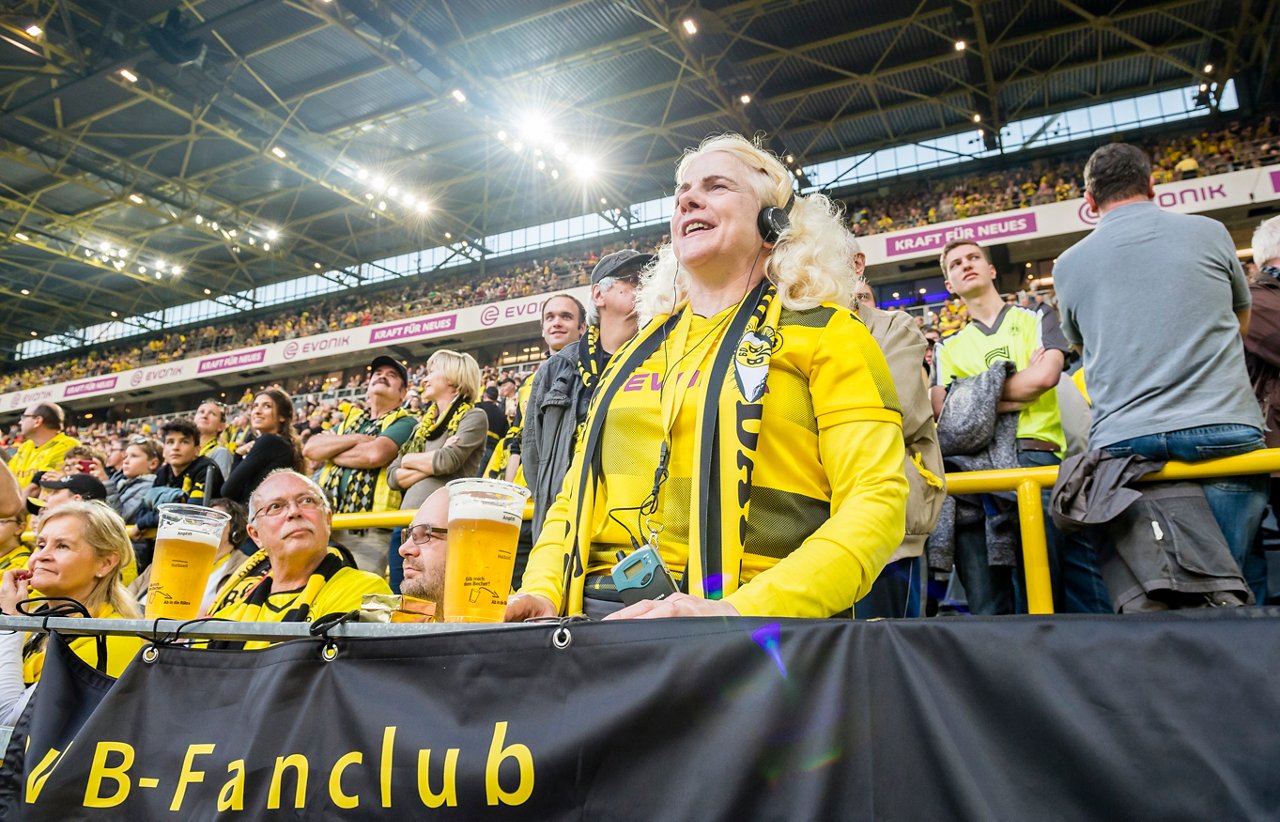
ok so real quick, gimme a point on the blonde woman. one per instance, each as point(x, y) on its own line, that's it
point(750, 432)
point(448, 443)
point(81, 548)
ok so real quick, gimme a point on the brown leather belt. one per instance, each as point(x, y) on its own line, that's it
point(1030, 444)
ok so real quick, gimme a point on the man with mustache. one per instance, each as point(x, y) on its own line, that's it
point(358, 452)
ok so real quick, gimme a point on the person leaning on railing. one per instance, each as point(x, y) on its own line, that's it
point(81, 548)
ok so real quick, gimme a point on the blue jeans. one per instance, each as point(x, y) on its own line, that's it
point(1238, 503)
point(1073, 563)
point(896, 592)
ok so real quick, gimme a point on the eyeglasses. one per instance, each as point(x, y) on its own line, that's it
point(275, 508)
point(423, 534)
point(30, 416)
point(14, 520)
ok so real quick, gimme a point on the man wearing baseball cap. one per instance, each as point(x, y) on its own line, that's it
point(65, 489)
point(357, 452)
point(562, 387)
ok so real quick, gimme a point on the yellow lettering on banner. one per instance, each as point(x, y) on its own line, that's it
point(339, 798)
point(188, 776)
point(388, 748)
point(99, 771)
point(231, 797)
point(41, 772)
point(449, 793)
point(299, 763)
point(498, 751)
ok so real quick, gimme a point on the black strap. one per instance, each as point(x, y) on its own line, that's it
point(574, 568)
point(710, 548)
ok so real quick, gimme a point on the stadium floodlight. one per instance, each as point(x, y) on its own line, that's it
point(1208, 68)
point(279, 152)
point(136, 199)
point(266, 246)
point(535, 127)
point(458, 95)
point(517, 146)
point(272, 234)
point(362, 174)
point(422, 206)
point(21, 236)
point(115, 313)
point(33, 333)
point(316, 266)
point(502, 136)
point(33, 30)
point(745, 99)
point(586, 168)
point(26, 292)
point(199, 219)
point(207, 292)
point(379, 183)
point(961, 45)
point(977, 118)
point(896, 295)
point(690, 26)
point(128, 75)
point(382, 205)
point(176, 271)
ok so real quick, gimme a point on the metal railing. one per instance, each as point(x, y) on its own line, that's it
point(1029, 482)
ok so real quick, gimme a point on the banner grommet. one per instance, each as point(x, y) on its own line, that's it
point(150, 654)
point(329, 652)
point(561, 638)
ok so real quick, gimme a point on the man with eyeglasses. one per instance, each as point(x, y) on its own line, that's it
point(423, 549)
point(13, 520)
point(295, 577)
point(43, 445)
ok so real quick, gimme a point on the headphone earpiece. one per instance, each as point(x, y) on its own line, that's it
point(772, 221)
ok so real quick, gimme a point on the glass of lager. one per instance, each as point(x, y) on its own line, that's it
point(484, 527)
point(186, 544)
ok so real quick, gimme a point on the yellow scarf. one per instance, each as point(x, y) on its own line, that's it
point(729, 410)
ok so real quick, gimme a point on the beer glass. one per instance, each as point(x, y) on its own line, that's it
point(186, 544)
point(484, 527)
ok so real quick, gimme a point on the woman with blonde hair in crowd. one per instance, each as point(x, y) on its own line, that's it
point(447, 444)
point(81, 548)
point(750, 432)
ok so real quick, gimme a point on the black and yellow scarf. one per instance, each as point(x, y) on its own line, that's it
point(433, 425)
point(243, 596)
point(730, 407)
point(589, 358)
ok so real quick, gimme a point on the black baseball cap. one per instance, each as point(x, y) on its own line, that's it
point(86, 486)
point(383, 359)
point(626, 263)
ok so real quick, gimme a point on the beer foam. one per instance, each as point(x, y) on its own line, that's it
point(473, 509)
point(176, 530)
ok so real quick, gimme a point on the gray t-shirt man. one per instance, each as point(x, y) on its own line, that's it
point(1151, 296)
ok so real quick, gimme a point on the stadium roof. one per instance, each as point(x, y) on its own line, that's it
point(155, 152)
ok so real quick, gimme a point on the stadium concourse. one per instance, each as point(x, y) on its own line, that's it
point(934, 353)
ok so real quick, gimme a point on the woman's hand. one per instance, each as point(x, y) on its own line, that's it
point(244, 448)
point(523, 607)
point(14, 589)
point(675, 605)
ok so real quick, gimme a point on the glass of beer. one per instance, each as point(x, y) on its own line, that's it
point(484, 527)
point(186, 545)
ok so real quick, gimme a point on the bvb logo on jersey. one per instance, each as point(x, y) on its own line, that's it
point(751, 361)
point(1001, 353)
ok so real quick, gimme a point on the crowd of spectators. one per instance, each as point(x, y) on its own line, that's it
point(946, 198)
point(1043, 181)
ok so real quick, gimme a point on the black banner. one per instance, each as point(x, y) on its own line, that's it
point(1168, 717)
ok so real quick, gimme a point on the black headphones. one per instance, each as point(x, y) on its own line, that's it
point(772, 221)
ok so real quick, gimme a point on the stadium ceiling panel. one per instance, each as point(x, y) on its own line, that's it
point(156, 152)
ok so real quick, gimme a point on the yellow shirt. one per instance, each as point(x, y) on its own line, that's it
point(31, 458)
point(828, 497)
point(16, 558)
point(120, 651)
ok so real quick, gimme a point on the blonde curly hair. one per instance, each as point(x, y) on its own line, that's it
point(809, 264)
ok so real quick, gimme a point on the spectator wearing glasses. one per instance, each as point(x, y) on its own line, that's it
point(295, 577)
point(423, 550)
point(43, 445)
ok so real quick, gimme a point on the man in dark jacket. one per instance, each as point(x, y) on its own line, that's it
point(562, 387)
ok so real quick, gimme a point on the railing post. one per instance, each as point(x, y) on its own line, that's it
point(1035, 550)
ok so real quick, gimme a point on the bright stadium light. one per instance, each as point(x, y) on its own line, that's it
point(22, 236)
point(26, 292)
point(128, 75)
point(422, 206)
point(279, 152)
point(535, 127)
point(961, 45)
point(1208, 68)
point(33, 30)
point(458, 95)
point(586, 168)
point(135, 199)
point(745, 99)
point(272, 234)
point(690, 27)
